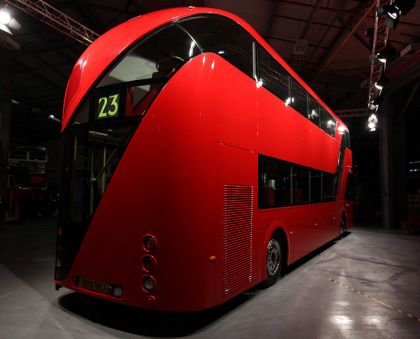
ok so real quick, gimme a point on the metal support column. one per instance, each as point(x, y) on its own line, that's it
point(6, 65)
point(385, 157)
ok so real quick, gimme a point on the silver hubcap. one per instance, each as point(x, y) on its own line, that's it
point(273, 257)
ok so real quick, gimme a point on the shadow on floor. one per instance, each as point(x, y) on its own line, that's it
point(147, 322)
point(162, 324)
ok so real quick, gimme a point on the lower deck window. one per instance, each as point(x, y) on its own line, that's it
point(282, 183)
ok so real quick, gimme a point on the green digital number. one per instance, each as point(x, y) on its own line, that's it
point(114, 104)
point(108, 107)
point(102, 104)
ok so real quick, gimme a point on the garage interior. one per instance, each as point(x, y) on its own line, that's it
point(364, 285)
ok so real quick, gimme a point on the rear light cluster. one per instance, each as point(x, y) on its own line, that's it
point(149, 265)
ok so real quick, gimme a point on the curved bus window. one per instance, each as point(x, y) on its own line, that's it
point(299, 95)
point(279, 82)
point(223, 36)
point(273, 76)
point(160, 55)
point(313, 110)
point(141, 73)
point(327, 122)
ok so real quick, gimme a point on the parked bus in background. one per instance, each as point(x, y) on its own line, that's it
point(28, 192)
point(197, 164)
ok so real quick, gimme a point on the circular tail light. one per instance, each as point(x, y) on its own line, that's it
point(149, 283)
point(148, 263)
point(149, 242)
point(117, 291)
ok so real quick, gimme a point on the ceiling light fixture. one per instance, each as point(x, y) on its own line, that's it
point(381, 82)
point(372, 122)
point(386, 54)
point(395, 11)
point(5, 16)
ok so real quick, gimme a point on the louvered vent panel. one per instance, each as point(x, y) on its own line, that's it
point(237, 234)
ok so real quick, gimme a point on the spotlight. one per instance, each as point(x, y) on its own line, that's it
point(372, 106)
point(53, 118)
point(386, 53)
point(393, 11)
point(381, 82)
point(372, 122)
point(5, 17)
point(392, 23)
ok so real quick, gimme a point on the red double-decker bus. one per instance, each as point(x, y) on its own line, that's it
point(197, 164)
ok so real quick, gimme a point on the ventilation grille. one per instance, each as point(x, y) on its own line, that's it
point(237, 237)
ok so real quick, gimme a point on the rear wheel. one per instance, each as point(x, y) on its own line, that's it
point(343, 226)
point(274, 261)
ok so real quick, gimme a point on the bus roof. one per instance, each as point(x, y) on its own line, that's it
point(109, 46)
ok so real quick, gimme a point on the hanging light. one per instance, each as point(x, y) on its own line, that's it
point(386, 54)
point(381, 82)
point(372, 107)
point(405, 6)
point(372, 122)
point(395, 11)
point(5, 16)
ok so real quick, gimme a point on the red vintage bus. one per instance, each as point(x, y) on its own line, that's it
point(197, 164)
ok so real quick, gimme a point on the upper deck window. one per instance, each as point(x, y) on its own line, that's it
point(130, 86)
point(157, 56)
point(223, 36)
point(279, 82)
point(273, 76)
point(328, 123)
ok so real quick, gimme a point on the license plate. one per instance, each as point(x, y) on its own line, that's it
point(94, 285)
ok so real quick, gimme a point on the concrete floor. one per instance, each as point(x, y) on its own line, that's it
point(366, 285)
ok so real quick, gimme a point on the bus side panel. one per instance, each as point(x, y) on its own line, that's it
point(347, 208)
point(285, 134)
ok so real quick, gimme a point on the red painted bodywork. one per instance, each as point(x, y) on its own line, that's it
point(203, 131)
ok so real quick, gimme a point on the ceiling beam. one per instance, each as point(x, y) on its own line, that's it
point(356, 35)
point(55, 19)
point(339, 45)
point(86, 13)
point(308, 24)
point(342, 11)
point(323, 24)
point(291, 41)
point(310, 19)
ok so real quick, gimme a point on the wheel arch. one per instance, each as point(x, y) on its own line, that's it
point(276, 229)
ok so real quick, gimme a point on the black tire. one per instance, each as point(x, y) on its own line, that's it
point(343, 226)
point(273, 261)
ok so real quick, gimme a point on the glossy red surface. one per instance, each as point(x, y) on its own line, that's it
point(108, 47)
point(203, 131)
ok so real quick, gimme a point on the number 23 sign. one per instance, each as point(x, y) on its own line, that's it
point(108, 106)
